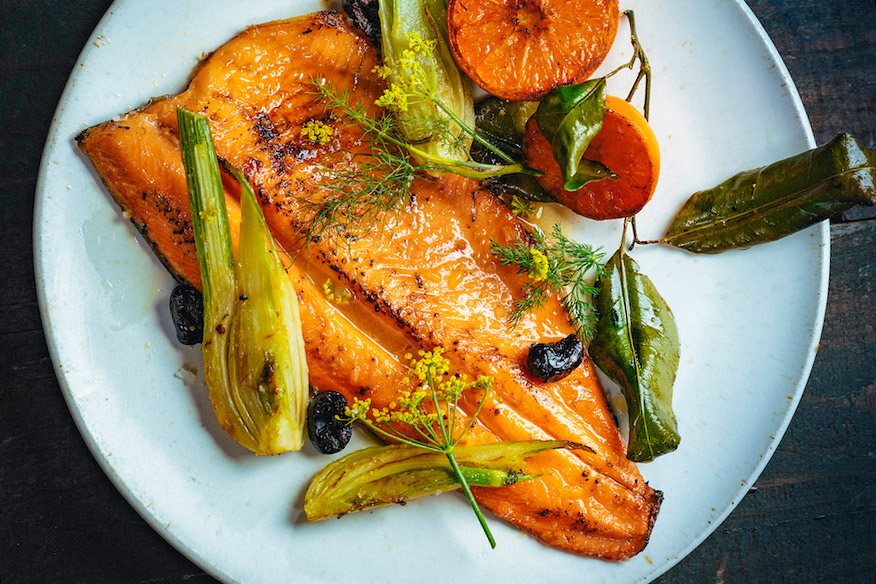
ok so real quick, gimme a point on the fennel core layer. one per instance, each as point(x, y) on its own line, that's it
point(254, 361)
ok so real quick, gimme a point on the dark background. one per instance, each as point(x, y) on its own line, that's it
point(810, 518)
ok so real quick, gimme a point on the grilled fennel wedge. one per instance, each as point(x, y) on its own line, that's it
point(253, 348)
point(417, 59)
point(396, 473)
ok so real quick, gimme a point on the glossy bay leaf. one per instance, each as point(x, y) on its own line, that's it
point(503, 122)
point(636, 345)
point(569, 117)
point(771, 202)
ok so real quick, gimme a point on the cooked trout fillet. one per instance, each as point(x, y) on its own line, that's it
point(423, 278)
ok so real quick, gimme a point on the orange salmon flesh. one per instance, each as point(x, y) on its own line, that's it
point(424, 278)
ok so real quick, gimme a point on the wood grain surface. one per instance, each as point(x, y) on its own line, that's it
point(810, 518)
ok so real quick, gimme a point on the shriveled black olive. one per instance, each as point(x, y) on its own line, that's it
point(553, 361)
point(187, 311)
point(327, 433)
point(364, 15)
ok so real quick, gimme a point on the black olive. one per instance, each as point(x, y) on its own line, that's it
point(553, 361)
point(187, 311)
point(364, 15)
point(327, 433)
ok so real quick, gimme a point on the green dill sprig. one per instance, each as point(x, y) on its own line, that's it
point(384, 134)
point(359, 189)
point(563, 267)
point(430, 411)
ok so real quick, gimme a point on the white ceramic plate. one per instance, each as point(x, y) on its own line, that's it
point(749, 320)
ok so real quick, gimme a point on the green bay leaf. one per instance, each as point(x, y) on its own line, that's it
point(636, 345)
point(771, 202)
point(570, 117)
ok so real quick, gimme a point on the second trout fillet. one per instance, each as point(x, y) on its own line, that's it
point(425, 279)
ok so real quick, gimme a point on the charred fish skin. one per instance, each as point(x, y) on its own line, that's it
point(426, 280)
point(174, 225)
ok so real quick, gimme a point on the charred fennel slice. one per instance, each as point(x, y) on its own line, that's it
point(253, 348)
point(427, 457)
point(396, 473)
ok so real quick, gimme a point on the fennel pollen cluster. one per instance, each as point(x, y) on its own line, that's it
point(430, 364)
point(332, 294)
point(415, 81)
point(434, 386)
point(538, 271)
point(317, 131)
point(521, 207)
point(431, 414)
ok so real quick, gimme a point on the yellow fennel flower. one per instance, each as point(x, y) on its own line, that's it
point(317, 131)
point(539, 269)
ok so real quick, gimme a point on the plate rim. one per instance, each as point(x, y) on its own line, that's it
point(174, 538)
point(818, 325)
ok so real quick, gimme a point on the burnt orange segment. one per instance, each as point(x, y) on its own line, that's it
point(426, 279)
point(626, 145)
point(521, 49)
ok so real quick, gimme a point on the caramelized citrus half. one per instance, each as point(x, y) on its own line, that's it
point(521, 49)
point(626, 145)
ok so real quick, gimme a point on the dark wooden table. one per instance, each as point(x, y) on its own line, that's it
point(810, 518)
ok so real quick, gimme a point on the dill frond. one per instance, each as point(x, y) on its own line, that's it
point(360, 189)
point(572, 269)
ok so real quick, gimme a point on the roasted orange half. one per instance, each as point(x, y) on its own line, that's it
point(521, 49)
